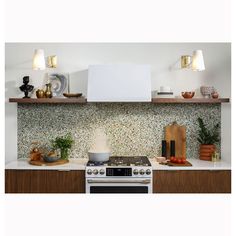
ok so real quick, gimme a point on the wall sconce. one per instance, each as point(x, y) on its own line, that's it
point(195, 62)
point(39, 60)
point(52, 61)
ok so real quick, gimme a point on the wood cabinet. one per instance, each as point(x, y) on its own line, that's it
point(192, 181)
point(44, 181)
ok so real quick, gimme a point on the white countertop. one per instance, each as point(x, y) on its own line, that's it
point(22, 164)
point(79, 164)
point(196, 165)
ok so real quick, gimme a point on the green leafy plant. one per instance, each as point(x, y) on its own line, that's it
point(208, 136)
point(64, 143)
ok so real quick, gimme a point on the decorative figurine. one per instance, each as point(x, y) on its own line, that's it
point(26, 88)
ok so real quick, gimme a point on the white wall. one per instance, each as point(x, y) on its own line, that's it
point(74, 58)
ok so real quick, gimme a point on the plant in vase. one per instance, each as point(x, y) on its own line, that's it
point(64, 143)
point(207, 138)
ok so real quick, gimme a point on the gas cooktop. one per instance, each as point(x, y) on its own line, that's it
point(123, 161)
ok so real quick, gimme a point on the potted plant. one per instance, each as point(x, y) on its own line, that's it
point(207, 138)
point(63, 143)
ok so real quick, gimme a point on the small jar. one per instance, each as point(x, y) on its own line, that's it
point(214, 95)
point(215, 156)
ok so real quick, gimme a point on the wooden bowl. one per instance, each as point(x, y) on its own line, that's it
point(72, 95)
point(188, 95)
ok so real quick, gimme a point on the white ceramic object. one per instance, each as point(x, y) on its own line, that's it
point(165, 89)
point(160, 159)
point(206, 91)
point(99, 156)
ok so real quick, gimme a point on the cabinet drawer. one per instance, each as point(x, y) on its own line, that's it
point(192, 181)
point(44, 181)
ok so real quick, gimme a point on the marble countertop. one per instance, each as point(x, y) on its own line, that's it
point(22, 164)
point(79, 164)
point(196, 165)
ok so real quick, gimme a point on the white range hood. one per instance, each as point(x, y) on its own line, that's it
point(119, 83)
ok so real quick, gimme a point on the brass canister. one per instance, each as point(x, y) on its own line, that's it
point(40, 93)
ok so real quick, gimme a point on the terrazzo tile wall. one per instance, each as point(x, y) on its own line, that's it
point(132, 128)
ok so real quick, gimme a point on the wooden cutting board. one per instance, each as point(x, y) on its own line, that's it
point(43, 163)
point(178, 133)
point(175, 164)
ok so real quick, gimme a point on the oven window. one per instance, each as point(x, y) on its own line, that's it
point(118, 189)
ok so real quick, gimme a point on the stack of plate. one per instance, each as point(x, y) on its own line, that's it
point(165, 92)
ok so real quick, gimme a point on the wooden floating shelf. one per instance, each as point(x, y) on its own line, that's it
point(83, 100)
point(190, 100)
point(49, 100)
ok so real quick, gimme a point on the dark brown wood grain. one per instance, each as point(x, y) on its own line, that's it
point(49, 100)
point(192, 181)
point(82, 100)
point(192, 100)
point(44, 181)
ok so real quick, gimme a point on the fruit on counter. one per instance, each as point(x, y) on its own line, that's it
point(178, 160)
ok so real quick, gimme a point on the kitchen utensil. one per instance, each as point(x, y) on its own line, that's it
point(187, 163)
point(99, 156)
point(177, 133)
point(163, 148)
point(188, 95)
point(72, 95)
point(43, 163)
point(172, 148)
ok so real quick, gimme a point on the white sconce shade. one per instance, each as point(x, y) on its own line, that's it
point(39, 60)
point(198, 61)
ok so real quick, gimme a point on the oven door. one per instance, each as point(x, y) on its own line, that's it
point(118, 185)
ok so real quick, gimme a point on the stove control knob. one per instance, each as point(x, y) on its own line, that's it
point(89, 172)
point(95, 171)
point(141, 172)
point(135, 172)
point(102, 172)
point(148, 172)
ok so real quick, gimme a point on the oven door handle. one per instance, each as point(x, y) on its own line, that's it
point(102, 181)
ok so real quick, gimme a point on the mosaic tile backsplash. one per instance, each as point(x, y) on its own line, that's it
point(132, 128)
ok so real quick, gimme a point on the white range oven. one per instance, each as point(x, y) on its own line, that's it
point(120, 175)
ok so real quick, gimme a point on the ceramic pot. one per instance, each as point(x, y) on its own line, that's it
point(215, 95)
point(188, 95)
point(99, 157)
point(206, 152)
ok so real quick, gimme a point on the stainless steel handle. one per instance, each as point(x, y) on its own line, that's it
point(97, 181)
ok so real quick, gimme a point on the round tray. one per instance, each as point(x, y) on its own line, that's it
point(72, 95)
